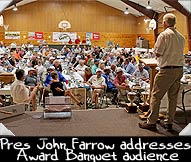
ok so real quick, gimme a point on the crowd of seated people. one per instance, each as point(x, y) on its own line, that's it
point(91, 63)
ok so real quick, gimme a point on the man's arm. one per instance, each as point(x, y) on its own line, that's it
point(47, 80)
point(61, 77)
point(160, 45)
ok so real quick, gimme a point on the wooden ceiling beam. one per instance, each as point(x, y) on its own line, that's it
point(149, 13)
point(176, 5)
point(13, 3)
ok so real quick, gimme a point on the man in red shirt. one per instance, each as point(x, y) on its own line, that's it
point(121, 82)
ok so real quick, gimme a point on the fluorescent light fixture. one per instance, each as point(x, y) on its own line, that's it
point(148, 6)
point(126, 11)
point(15, 8)
point(4, 4)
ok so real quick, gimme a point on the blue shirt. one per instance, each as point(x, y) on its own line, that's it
point(49, 78)
point(129, 68)
point(110, 84)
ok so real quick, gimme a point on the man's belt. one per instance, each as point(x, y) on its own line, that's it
point(171, 67)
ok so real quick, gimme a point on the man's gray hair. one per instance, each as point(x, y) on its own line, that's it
point(170, 19)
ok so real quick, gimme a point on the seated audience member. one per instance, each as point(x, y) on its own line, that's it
point(49, 78)
point(12, 60)
point(187, 67)
point(110, 86)
point(112, 58)
point(20, 92)
point(48, 81)
point(128, 67)
point(88, 74)
point(113, 71)
point(57, 65)
point(119, 61)
point(97, 83)
point(80, 68)
point(95, 66)
point(30, 79)
point(58, 90)
point(101, 65)
point(133, 61)
point(90, 61)
point(138, 57)
point(48, 63)
point(141, 73)
point(121, 82)
point(40, 70)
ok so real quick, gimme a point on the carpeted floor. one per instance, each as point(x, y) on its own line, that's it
point(105, 122)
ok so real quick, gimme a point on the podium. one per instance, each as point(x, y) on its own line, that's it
point(152, 63)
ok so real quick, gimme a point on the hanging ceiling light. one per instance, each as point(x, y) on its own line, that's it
point(15, 8)
point(148, 6)
point(126, 11)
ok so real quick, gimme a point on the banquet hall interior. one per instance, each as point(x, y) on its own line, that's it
point(73, 55)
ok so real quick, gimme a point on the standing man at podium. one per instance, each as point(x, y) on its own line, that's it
point(169, 49)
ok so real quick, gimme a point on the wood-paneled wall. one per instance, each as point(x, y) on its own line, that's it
point(122, 39)
point(84, 16)
point(181, 27)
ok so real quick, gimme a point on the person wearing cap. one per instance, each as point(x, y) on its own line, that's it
point(110, 86)
point(98, 85)
point(31, 79)
point(95, 66)
point(121, 82)
point(141, 73)
point(20, 92)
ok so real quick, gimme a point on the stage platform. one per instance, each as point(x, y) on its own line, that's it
point(105, 122)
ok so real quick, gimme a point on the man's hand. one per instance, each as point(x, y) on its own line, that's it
point(37, 86)
point(158, 55)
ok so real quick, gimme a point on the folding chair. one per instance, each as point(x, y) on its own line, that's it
point(101, 99)
point(121, 97)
